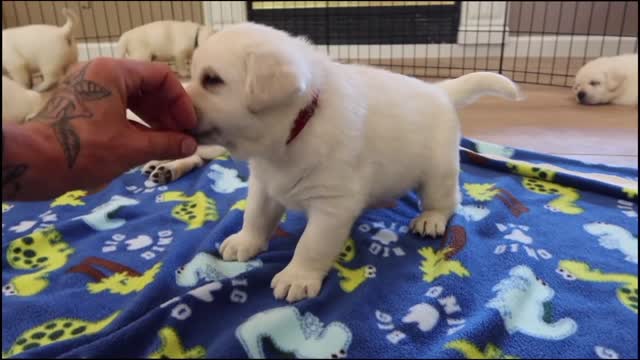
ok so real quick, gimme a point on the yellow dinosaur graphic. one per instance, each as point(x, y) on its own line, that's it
point(71, 198)
point(172, 347)
point(123, 280)
point(242, 206)
point(6, 207)
point(481, 192)
point(627, 292)
point(43, 250)
point(124, 283)
point(195, 210)
point(630, 192)
point(470, 351)
point(538, 180)
point(351, 279)
point(56, 330)
point(436, 264)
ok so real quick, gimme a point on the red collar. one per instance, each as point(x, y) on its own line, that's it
point(303, 118)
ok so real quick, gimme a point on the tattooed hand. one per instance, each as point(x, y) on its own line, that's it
point(82, 138)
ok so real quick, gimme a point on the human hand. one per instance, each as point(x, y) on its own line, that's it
point(84, 134)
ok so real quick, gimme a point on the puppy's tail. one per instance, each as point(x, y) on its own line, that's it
point(468, 88)
point(121, 48)
point(72, 18)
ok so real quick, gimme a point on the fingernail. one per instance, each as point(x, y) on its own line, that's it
point(189, 146)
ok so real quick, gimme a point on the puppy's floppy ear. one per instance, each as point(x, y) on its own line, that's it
point(614, 78)
point(273, 76)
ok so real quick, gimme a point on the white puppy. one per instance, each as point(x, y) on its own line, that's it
point(608, 80)
point(45, 48)
point(327, 138)
point(18, 103)
point(164, 41)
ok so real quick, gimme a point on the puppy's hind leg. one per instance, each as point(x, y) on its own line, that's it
point(50, 77)
point(21, 75)
point(440, 196)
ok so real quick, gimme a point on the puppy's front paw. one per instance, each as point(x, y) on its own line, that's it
point(296, 283)
point(164, 174)
point(149, 167)
point(430, 222)
point(241, 247)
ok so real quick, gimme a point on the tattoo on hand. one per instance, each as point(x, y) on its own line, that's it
point(67, 103)
point(10, 176)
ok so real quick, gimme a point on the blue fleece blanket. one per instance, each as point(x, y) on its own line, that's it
point(540, 261)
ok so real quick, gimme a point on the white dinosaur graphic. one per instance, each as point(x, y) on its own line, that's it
point(473, 212)
point(207, 267)
point(520, 299)
point(303, 336)
point(614, 237)
point(225, 180)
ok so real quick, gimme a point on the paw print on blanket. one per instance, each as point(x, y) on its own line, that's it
point(44, 220)
point(57, 330)
point(42, 251)
point(151, 246)
point(292, 334)
point(518, 232)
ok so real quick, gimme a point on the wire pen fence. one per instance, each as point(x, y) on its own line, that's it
point(538, 42)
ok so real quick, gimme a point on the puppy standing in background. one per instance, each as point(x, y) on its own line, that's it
point(608, 80)
point(327, 138)
point(45, 48)
point(164, 41)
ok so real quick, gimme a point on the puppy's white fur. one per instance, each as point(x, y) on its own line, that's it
point(45, 48)
point(608, 80)
point(18, 103)
point(374, 135)
point(164, 41)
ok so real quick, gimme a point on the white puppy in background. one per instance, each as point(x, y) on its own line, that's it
point(18, 103)
point(327, 138)
point(164, 41)
point(45, 48)
point(608, 80)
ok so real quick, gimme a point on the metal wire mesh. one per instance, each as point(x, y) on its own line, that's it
point(539, 42)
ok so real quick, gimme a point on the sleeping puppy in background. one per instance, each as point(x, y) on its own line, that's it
point(164, 41)
point(19, 104)
point(608, 80)
point(327, 138)
point(45, 48)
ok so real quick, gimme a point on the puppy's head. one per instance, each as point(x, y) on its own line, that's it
point(248, 83)
point(598, 82)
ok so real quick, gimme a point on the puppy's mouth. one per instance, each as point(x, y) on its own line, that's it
point(212, 135)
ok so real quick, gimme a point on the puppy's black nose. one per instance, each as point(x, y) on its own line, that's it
point(581, 95)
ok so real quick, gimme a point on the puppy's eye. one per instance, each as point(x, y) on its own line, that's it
point(210, 80)
point(594, 83)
